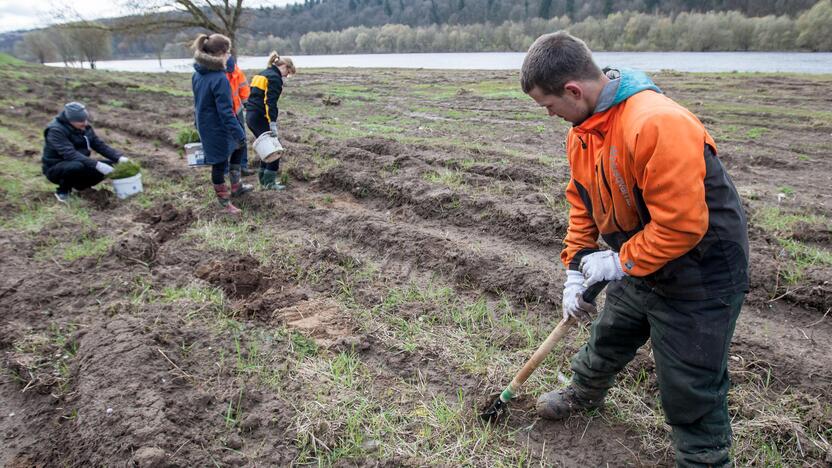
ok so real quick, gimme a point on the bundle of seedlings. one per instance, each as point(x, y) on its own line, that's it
point(125, 170)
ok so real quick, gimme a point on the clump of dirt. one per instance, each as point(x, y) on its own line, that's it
point(137, 247)
point(100, 199)
point(238, 276)
point(806, 232)
point(166, 220)
point(278, 296)
point(321, 319)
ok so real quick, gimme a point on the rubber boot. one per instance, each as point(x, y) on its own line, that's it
point(562, 403)
point(224, 199)
point(237, 186)
point(268, 180)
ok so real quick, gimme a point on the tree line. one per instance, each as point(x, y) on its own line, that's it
point(627, 31)
point(618, 31)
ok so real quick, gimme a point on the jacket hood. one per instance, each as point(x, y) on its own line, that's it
point(624, 82)
point(230, 64)
point(205, 63)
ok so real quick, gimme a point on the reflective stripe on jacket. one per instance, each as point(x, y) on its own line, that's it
point(645, 177)
point(266, 87)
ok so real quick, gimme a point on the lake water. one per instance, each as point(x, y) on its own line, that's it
point(794, 62)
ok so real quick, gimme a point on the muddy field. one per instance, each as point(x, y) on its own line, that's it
point(408, 271)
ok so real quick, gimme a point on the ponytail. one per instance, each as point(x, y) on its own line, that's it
point(276, 60)
point(215, 44)
point(199, 42)
point(273, 57)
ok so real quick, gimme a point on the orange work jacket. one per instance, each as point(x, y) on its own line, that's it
point(240, 89)
point(645, 177)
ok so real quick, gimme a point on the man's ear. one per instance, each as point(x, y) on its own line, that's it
point(573, 88)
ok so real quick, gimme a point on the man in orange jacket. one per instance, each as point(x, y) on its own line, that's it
point(646, 179)
point(240, 92)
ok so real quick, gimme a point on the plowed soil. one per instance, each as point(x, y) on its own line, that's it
point(410, 268)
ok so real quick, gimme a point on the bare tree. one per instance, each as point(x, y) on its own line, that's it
point(38, 44)
point(92, 41)
point(216, 16)
point(64, 45)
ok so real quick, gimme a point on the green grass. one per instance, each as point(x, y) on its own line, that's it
point(8, 60)
point(802, 257)
point(242, 236)
point(198, 294)
point(84, 247)
point(774, 220)
point(446, 177)
point(756, 132)
point(151, 88)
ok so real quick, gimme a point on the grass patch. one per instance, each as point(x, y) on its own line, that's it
point(446, 177)
point(84, 247)
point(776, 221)
point(148, 88)
point(8, 60)
point(242, 236)
point(198, 294)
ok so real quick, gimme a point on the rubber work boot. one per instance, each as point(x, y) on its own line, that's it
point(268, 180)
point(560, 404)
point(224, 199)
point(240, 188)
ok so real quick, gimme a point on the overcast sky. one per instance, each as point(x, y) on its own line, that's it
point(28, 14)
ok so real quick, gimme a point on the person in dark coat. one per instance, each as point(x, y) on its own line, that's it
point(219, 130)
point(261, 110)
point(68, 144)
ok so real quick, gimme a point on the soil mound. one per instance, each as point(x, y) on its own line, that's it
point(238, 276)
point(101, 199)
point(166, 221)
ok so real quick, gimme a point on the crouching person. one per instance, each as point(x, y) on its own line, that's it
point(69, 143)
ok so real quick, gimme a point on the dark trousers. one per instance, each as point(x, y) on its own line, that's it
point(242, 151)
point(258, 125)
point(690, 342)
point(70, 175)
point(219, 170)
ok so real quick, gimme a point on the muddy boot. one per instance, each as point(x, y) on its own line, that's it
point(224, 199)
point(560, 404)
point(237, 186)
point(268, 180)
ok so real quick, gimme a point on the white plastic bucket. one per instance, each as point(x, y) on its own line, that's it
point(194, 154)
point(267, 147)
point(128, 186)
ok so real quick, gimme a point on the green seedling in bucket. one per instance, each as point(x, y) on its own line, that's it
point(125, 170)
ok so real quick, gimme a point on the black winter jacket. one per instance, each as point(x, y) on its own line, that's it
point(63, 142)
point(266, 87)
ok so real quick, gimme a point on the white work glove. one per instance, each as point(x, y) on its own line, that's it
point(123, 159)
point(601, 266)
point(103, 168)
point(572, 290)
point(273, 128)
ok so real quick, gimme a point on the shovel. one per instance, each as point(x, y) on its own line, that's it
point(500, 403)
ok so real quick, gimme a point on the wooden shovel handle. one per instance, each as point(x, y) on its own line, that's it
point(546, 347)
point(542, 351)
